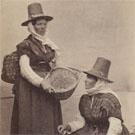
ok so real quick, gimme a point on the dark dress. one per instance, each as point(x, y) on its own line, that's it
point(35, 112)
point(97, 112)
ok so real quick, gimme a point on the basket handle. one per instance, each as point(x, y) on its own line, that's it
point(75, 69)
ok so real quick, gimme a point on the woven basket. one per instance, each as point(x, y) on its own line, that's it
point(11, 69)
point(63, 81)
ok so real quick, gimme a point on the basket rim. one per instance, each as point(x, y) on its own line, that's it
point(70, 87)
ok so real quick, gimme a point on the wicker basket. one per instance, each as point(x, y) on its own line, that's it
point(63, 81)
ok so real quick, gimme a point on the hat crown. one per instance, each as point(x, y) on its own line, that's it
point(102, 66)
point(100, 69)
point(35, 9)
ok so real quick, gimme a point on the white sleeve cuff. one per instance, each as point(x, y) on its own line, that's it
point(27, 72)
point(77, 124)
point(115, 126)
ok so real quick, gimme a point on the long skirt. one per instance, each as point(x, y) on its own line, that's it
point(35, 112)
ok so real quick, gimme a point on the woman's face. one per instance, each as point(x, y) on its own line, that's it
point(90, 82)
point(40, 26)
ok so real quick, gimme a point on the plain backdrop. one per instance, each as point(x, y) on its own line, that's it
point(83, 30)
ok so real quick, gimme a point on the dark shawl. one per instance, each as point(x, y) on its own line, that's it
point(96, 116)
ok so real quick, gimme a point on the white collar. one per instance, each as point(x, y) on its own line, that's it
point(44, 39)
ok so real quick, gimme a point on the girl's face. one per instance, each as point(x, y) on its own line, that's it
point(40, 26)
point(90, 82)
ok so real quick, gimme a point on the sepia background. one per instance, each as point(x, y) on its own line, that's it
point(83, 30)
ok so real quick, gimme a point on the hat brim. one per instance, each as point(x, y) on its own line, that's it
point(47, 18)
point(98, 76)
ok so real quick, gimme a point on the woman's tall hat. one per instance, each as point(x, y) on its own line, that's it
point(100, 69)
point(35, 11)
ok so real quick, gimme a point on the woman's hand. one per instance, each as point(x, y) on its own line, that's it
point(46, 86)
point(64, 129)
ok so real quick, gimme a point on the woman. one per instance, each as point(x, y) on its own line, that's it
point(36, 111)
point(100, 107)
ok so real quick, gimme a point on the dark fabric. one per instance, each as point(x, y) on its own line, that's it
point(89, 130)
point(35, 112)
point(96, 113)
point(14, 119)
point(36, 51)
point(125, 130)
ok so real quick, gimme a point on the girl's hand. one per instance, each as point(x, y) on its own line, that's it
point(46, 86)
point(64, 129)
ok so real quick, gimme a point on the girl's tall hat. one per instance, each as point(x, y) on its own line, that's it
point(100, 69)
point(35, 11)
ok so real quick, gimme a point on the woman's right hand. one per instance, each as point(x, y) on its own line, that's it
point(64, 129)
point(46, 86)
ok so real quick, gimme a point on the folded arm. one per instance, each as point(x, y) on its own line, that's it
point(77, 124)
